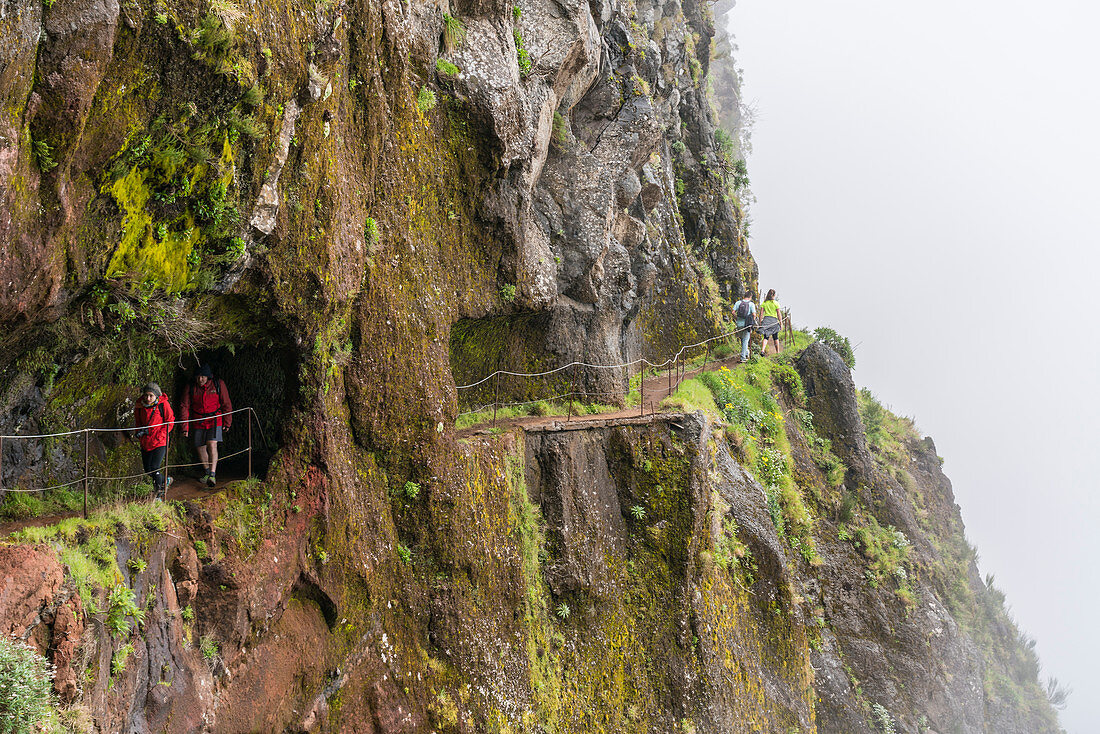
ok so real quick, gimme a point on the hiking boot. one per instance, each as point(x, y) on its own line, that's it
point(210, 480)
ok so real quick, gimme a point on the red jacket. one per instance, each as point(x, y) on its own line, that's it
point(209, 399)
point(157, 419)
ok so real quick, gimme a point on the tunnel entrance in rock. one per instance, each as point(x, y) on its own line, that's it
point(257, 378)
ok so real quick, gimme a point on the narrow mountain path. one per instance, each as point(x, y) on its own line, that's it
point(656, 390)
point(182, 488)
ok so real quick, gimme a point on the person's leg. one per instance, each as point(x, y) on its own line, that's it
point(746, 333)
point(147, 465)
point(204, 458)
point(212, 452)
point(152, 462)
point(778, 344)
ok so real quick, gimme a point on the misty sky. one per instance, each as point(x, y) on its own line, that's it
point(928, 179)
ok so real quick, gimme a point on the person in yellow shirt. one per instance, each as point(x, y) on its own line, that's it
point(771, 322)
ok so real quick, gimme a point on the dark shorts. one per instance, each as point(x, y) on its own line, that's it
point(203, 436)
point(769, 327)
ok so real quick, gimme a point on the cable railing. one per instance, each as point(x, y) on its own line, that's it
point(87, 433)
point(676, 365)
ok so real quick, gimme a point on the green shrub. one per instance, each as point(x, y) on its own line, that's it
point(43, 156)
point(446, 68)
point(728, 546)
point(254, 96)
point(523, 58)
point(508, 293)
point(26, 691)
point(837, 343)
point(412, 490)
point(118, 660)
point(370, 231)
point(788, 377)
point(21, 505)
point(209, 647)
point(425, 100)
point(213, 41)
point(122, 606)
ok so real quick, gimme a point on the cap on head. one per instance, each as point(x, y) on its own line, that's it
point(205, 371)
point(153, 388)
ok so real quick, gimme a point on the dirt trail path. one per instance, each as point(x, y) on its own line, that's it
point(656, 390)
point(182, 488)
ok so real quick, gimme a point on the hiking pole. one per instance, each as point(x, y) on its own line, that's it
point(85, 473)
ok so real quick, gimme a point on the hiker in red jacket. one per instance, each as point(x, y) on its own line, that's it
point(207, 400)
point(153, 419)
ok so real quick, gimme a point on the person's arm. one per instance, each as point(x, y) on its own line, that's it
point(227, 406)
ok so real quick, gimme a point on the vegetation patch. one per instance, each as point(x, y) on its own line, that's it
point(89, 551)
point(839, 344)
point(746, 401)
point(248, 515)
point(27, 701)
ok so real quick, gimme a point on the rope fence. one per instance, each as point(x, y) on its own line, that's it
point(676, 365)
point(88, 432)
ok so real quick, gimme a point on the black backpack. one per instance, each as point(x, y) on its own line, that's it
point(744, 310)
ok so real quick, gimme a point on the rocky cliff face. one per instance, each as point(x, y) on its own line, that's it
point(351, 208)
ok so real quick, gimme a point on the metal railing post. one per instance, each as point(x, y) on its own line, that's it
point(1, 462)
point(641, 387)
point(496, 396)
point(249, 414)
point(572, 389)
point(86, 441)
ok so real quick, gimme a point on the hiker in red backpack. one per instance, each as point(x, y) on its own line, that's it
point(206, 400)
point(153, 419)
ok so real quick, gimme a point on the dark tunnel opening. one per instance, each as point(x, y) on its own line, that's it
point(256, 378)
